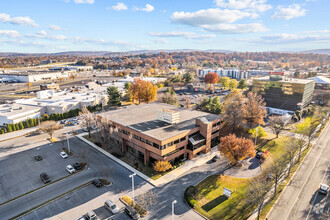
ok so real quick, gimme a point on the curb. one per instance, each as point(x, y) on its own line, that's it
point(143, 176)
point(185, 202)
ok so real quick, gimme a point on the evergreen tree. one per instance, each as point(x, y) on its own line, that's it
point(242, 84)
point(9, 128)
point(114, 96)
point(21, 126)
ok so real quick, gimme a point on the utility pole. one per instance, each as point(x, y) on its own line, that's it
point(67, 139)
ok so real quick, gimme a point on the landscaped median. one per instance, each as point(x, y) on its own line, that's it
point(129, 201)
point(207, 197)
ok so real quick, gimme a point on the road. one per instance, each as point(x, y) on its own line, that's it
point(300, 199)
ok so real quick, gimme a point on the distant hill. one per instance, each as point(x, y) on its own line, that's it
point(317, 51)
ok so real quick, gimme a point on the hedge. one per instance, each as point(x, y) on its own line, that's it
point(188, 196)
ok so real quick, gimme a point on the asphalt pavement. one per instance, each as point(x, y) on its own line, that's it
point(300, 199)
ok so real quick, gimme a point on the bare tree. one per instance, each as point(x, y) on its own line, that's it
point(276, 168)
point(300, 142)
point(257, 193)
point(277, 124)
point(88, 120)
point(49, 127)
point(83, 155)
point(291, 150)
point(147, 199)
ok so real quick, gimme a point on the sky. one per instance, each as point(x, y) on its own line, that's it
point(126, 25)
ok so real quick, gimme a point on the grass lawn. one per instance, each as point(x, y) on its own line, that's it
point(211, 203)
point(276, 146)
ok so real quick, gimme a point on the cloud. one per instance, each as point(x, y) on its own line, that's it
point(84, 1)
point(292, 11)
point(54, 27)
point(184, 34)
point(9, 33)
point(289, 38)
point(160, 41)
point(119, 7)
point(5, 18)
point(147, 8)
point(252, 5)
point(236, 28)
point(317, 32)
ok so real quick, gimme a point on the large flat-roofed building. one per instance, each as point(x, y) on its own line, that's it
point(14, 113)
point(34, 76)
point(284, 95)
point(161, 131)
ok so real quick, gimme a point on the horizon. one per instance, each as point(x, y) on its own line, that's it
point(121, 26)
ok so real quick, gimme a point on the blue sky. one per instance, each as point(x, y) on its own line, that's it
point(123, 25)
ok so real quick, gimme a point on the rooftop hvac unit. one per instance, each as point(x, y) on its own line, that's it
point(169, 116)
point(73, 97)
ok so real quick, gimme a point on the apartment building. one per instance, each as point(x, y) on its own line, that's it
point(161, 131)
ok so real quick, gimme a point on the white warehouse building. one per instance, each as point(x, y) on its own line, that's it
point(34, 76)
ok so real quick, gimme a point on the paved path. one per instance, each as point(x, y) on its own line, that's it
point(300, 199)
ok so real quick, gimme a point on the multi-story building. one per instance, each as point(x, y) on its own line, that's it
point(234, 73)
point(284, 95)
point(321, 82)
point(161, 131)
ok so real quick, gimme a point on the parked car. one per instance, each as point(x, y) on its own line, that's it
point(83, 218)
point(70, 169)
point(111, 206)
point(63, 121)
point(45, 178)
point(324, 188)
point(258, 154)
point(63, 155)
point(37, 157)
point(77, 166)
point(91, 216)
point(129, 210)
point(215, 158)
point(97, 183)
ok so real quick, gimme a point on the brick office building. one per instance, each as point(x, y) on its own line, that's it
point(161, 131)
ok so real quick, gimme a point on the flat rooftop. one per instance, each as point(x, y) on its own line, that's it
point(287, 80)
point(30, 72)
point(10, 110)
point(143, 118)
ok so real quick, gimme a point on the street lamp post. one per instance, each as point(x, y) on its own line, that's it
point(173, 208)
point(132, 176)
point(67, 139)
point(255, 140)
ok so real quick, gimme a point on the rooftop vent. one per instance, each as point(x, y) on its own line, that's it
point(169, 116)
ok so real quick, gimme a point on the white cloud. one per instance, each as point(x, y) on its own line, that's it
point(289, 38)
point(9, 33)
point(160, 41)
point(54, 27)
point(84, 1)
point(253, 5)
point(184, 34)
point(292, 11)
point(42, 32)
point(236, 28)
point(317, 32)
point(119, 7)
point(209, 16)
point(147, 8)
point(5, 18)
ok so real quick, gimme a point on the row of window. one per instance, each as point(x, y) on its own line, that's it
point(216, 124)
point(173, 152)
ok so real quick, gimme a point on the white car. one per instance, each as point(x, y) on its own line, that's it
point(324, 189)
point(111, 207)
point(63, 155)
point(70, 169)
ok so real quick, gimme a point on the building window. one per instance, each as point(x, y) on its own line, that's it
point(197, 132)
point(155, 145)
point(176, 141)
point(126, 132)
point(142, 140)
point(136, 137)
point(214, 132)
point(183, 139)
point(218, 123)
point(173, 152)
point(214, 125)
point(163, 147)
point(170, 144)
point(149, 142)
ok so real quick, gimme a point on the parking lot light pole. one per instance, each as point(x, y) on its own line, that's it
point(173, 208)
point(132, 176)
point(67, 139)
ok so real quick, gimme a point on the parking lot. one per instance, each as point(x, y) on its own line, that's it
point(78, 202)
point(22, 171)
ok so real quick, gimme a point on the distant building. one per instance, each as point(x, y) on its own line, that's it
point(159, 131)
point(76, 68)
point(43, 62)
point(34, 76)
point(14, 113)
point(52, 86)
point(283, 95)
point(234, 73)
point(321, 82)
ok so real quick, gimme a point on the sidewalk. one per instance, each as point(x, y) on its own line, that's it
point(188, 165)
point(15, 134)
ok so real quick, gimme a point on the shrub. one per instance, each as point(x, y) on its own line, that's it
point(162, 166)
point(188, 195)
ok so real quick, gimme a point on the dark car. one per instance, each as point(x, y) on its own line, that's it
point(45, 178)
point(129, 210)
point(259, 153)
point(215, 158)
point(77, 166)
point(97, 183)
point(37, 157)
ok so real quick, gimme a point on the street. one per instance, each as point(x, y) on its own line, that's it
point(300, 199)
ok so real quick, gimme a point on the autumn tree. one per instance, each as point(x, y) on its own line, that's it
point(232, 111)
point(150, 93)
point(224, 81)
point(277, 124)
point(242, 84)
point(236, 149)
point(211, 78)
point(114, 96)
point(162, 166)
point(308, 128)
point(257, 132)
point(49, 127)
point(254, 109)
point(127, 90)
point(142, 90)
point(88, 120)
point(233, 84)
point(187, 78)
